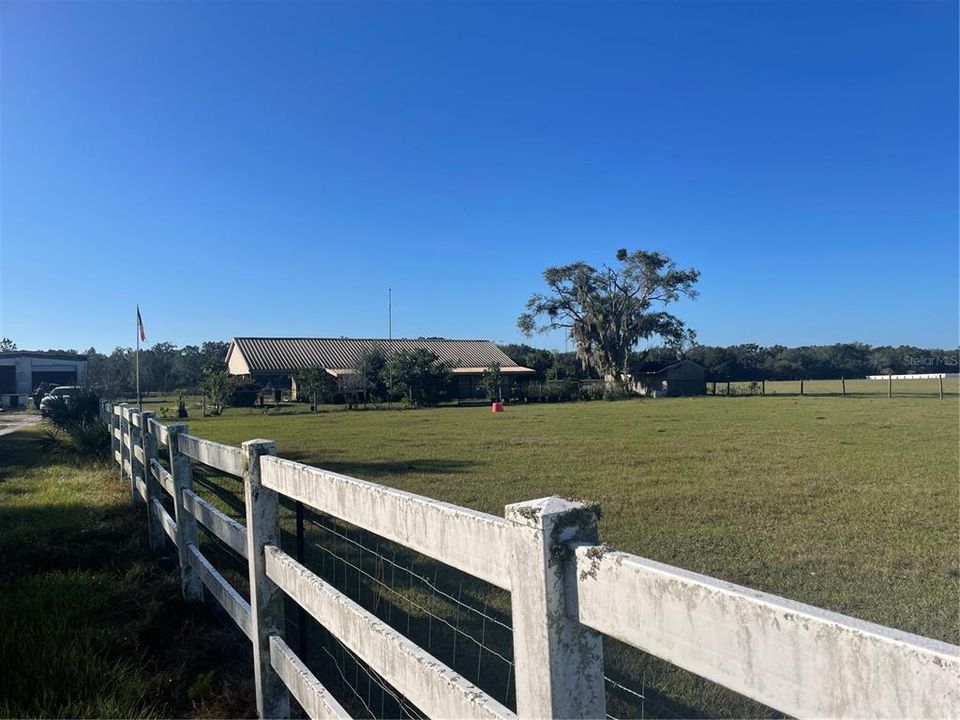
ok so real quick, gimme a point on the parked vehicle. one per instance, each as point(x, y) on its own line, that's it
point(61, 392)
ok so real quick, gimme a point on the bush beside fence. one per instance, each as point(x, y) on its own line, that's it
point(565, 591)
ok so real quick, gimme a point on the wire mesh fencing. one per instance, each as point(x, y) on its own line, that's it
point(463, 622)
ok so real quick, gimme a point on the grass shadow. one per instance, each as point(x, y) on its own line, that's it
point(384, 468)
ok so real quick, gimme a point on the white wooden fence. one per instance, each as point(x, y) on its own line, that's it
point(566, 590)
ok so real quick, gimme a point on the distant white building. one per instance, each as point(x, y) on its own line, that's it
point(21, 371)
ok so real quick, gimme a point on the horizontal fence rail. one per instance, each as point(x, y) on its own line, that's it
point(168, 524)
point(162, 476)
point(794, 657)
point(446, 532)
point(566, 591)
point(232, 533)
point(222, 457)
point(313, 697)
point(159, 430)
point(232, 601)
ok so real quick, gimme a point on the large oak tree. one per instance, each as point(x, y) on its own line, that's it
point(608, 311)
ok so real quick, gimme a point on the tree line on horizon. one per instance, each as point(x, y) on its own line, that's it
point(167, 368)
point(750, 361)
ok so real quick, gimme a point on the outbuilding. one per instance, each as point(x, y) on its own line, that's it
point(22, 371)
point(685, 377)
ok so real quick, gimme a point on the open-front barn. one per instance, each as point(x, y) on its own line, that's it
point(670, 379)
point(22, 372)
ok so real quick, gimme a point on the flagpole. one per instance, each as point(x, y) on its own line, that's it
point(139, 399)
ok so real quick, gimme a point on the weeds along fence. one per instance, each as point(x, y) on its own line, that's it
point(344, 589)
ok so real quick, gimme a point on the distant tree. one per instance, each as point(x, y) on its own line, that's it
point(490, 382)
point(536, 359)
point(96, 367)
point(370, 369)
point(353, 387)
point(217, 385)
point(157, 367)
point(118, 371)
point(214, 351)
point(418, 376)
point(7, 345)
point(316, 385)
point(608, 311)
point(188, 367)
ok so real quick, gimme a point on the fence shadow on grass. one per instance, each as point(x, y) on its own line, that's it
point(384, 468)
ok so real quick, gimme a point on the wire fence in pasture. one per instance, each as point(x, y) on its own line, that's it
point(900, 386)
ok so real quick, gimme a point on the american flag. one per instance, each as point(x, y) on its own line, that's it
point(143, 335)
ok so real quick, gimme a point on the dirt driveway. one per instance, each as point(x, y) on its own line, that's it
point(11, 422)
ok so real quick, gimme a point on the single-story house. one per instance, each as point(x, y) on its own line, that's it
point(21, 371)
point(670, 379)
point(274, 361)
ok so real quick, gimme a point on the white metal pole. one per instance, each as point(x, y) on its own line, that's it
point(139, 399)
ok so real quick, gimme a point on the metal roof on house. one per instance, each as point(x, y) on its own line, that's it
point(289, 355)
point(45, 354)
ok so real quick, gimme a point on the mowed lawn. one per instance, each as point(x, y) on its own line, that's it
point(846, 503)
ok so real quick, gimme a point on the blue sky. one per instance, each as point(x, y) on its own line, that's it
point(272, 168)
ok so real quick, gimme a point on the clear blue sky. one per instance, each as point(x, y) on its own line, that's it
point(271, 169)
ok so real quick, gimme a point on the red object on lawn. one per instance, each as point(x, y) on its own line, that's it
point(497, 407)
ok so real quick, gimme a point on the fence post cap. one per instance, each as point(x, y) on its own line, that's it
point(260, 446)
point(177, 429)
point(556, 510)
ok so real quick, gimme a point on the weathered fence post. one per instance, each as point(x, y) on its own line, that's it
point(186, 523)
point(266, 599)
point(136, 441)
point(114, 440)
point(302, 559)
point(941, 386)
point(890, 386)
point(559, 662)
point(843, 386)
point(149, 444)
point(125, 442)
point(763, 387)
